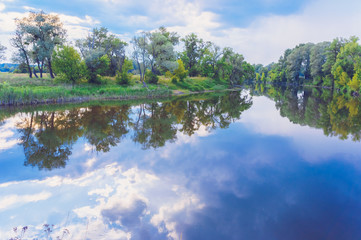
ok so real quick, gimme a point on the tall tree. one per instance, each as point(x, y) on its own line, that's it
point(22, 46)
point(103, 53)
point(43, 31)
point(160, 48)
point(318, 59)
point(194, 50)
point(140, 54)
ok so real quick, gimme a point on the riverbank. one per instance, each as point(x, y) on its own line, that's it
point(19, 90)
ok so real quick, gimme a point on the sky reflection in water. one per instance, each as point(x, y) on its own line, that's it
point(262, 177)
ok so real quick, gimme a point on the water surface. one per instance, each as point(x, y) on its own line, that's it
point(257, 164)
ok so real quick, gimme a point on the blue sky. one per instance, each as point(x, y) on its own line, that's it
point(260, 29)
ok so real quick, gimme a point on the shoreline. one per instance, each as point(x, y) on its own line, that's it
point(84, 99)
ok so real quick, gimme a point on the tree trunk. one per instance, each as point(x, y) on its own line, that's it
point(50, 69)
point(35, 74)
point(28, 63)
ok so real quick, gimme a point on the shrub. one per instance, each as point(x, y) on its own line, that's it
point(150, 77)
point(180, 73)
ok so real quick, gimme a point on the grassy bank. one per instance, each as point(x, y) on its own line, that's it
point(19, 89)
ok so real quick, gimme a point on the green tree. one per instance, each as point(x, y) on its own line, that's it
point(68, 65)
point(103, 53)
point(180, 73)
point(97, 64)
point(208, 63)
point(348, 65)
point(124, 77)
point(318, 59)
point(43, 32)
point(194, 50)
point(22, 47)
point(160, 50)
point(140, 54)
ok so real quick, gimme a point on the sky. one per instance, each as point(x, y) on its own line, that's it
point(261, 30)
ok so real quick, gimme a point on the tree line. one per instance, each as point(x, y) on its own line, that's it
point(336, 65)
point(41, 46)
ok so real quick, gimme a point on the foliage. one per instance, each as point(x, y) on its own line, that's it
point(41, 32)
point(180, 73)
point(97, 64)
point(124, 77)
point(68, 65)
point(150, 77)
point(193, 53)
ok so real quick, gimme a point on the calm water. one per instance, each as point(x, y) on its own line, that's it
point(260, 164)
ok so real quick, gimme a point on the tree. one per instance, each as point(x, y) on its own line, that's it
point(97, 64)
point(140, 54)
point(68, 65)
point(2, 52)
point(102, 53)
point(160, 48)
point(194, 50)
point(22, 46)
point(43, 32)
point(124, 77)
point(209, 61)
point(318, 59)
point(331, 54)
point(180, 73)
point(347, 68)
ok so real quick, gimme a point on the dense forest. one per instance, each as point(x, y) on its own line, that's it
point(336, 65)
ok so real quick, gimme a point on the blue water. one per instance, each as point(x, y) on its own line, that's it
point(260, 177)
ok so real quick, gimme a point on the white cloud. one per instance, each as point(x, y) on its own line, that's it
point(268, 37)
point(7, 135)
point(9, 201)
point(128, 198)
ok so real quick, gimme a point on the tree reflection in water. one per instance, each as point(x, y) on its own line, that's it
point(337, 114)
point(48, 136)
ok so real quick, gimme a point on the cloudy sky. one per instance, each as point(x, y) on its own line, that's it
point(259, 29)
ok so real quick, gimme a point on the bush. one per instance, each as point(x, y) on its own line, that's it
point(122, 78)
point(150, 77)
point(180, 73)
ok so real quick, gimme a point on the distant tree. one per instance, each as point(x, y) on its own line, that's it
point(347, 68)
point(318, 59)
point(68, 65)
point(331, 54)
point(2, 52)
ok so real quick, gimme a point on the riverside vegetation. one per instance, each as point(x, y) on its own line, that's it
point(97, 66)
point(51, 69)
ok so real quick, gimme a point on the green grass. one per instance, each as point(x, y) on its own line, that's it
point(19, 89)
